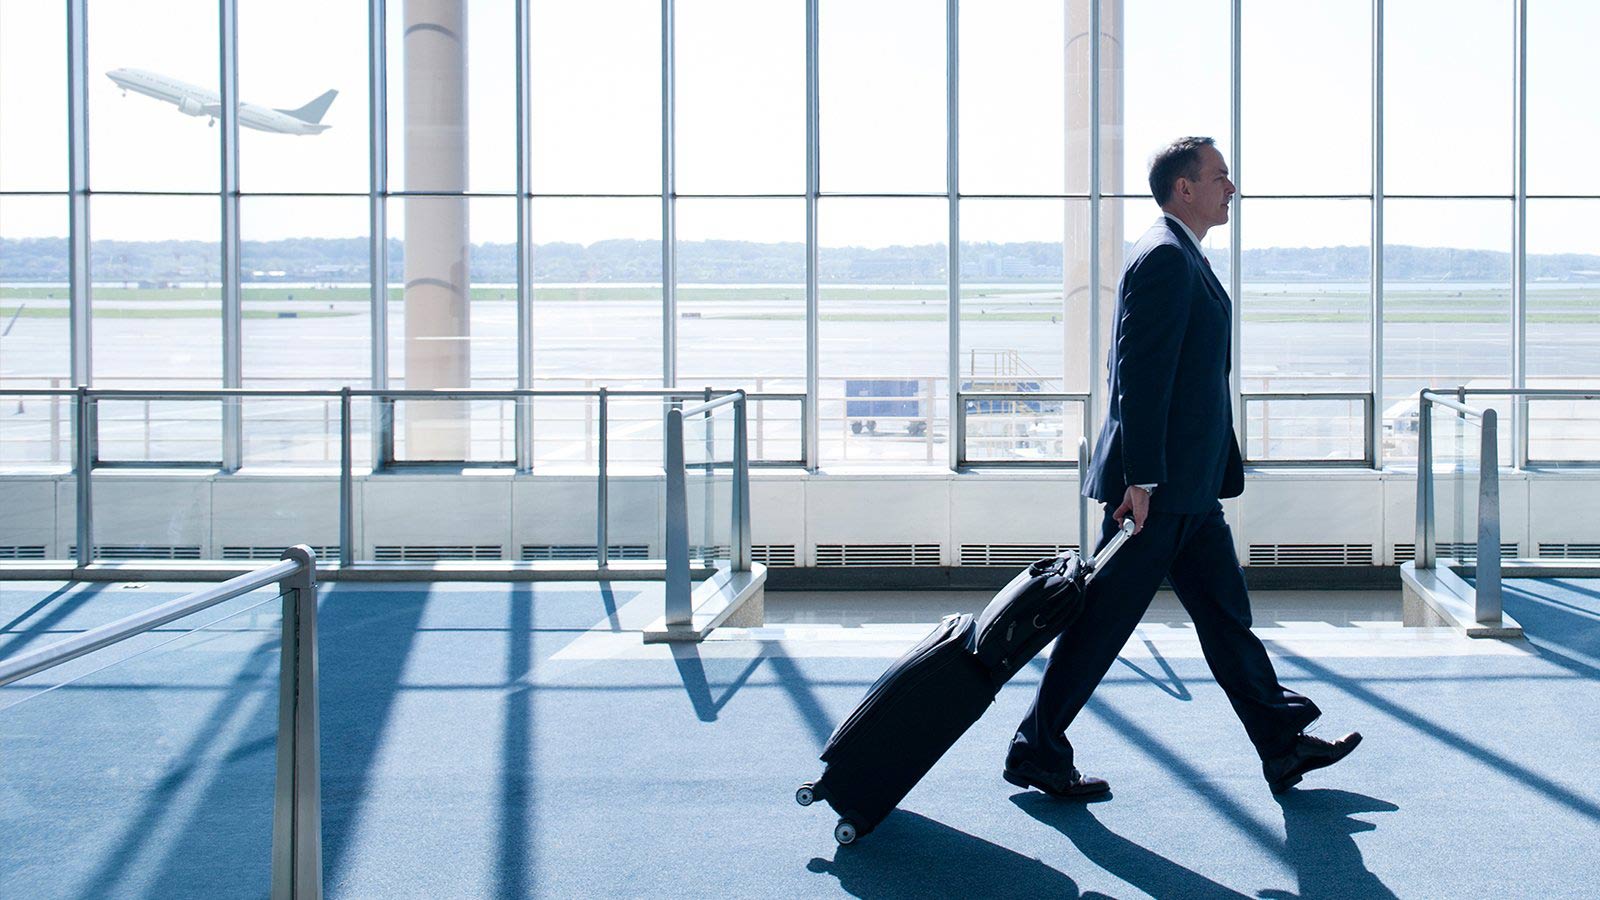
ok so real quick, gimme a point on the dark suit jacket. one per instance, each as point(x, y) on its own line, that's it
point(1170, 419)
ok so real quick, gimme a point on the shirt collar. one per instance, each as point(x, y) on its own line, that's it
point(1186, 230)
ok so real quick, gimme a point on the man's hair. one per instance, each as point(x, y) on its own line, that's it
point(1179, 159)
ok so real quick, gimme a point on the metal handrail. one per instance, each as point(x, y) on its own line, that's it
point(1487, 606)
point(297, 799)
point(679, 591)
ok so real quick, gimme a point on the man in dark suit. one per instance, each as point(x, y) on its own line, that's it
point(1166, 455)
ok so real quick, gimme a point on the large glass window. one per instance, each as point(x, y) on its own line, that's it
point(1446, 305)
point(33, 90)
point(452, 96)
point(452, 323)
point(882, 96)
point(741, 294)
point(35, 349)
point(596, 96)
point(156, 306)
point(1306, 275)
point(1018, 100)
point(1306, 104)
point(1021, 332)
point(883, 330)
point(1563, 122)
point(303, 117)
point(306, 296)
point(153, 100)
point(1167, 46)
point(1563, 330)
point(597, 293)
point(157, 292)
point(1447, 82)
point(741, 97)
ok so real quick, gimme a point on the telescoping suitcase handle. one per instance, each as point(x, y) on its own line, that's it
point(1105, 553)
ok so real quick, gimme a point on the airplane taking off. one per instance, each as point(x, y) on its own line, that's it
point(196, 101)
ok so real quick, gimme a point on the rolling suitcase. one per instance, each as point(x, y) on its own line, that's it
point(930, 696)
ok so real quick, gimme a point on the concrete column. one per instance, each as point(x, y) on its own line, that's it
point(437, 250)
point(1079, 310)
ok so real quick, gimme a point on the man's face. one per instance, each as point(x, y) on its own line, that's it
point(1208, 195)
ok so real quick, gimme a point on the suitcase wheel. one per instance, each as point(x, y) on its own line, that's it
point(804, 796)
point(845, 832)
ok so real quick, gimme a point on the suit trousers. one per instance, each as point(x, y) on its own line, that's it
point(1194, 551)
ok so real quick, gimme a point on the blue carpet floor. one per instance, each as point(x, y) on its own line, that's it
point(460, 759)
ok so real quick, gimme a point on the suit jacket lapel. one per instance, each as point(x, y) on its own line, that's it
point(1213, 285)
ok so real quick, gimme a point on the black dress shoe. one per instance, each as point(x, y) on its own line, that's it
point(1071, 783)
point(1284, 772)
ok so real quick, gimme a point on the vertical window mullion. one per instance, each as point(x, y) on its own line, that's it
point(232, 314)
point(1519, 240)
point(811, 426)
point(1376, 410)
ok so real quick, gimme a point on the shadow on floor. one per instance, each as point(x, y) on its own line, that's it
point(912, 856)
point(1320, 845)
point(693, 672)
point(76, 596)
point(1143, 868)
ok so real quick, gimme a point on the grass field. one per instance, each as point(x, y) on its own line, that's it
point(1575, 306)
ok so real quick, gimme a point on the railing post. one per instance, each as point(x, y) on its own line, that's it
point(83, 467)
point(1487, 598)
point(346, 482)
point(297, 803)
point(1084, 542)
point(678, 608)
point(739, 553)
point(602, 524)
point(1424, 537)
point(708, 511)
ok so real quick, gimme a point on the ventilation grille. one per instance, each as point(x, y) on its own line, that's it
point(324, 553)
point(1310, 554)
point(434, 552)
point(1404, 553)
point(1556, 551)
point(21, 552)
point(712, 551)
point(877, 554)
point(139, 551)
point(1010, 554)
point(581, 552)
point(773, 554)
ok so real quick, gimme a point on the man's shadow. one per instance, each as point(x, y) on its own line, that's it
point(1320, 844)
point(1144, 869)
point(911, 856)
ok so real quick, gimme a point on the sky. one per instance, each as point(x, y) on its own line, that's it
point(596, 122)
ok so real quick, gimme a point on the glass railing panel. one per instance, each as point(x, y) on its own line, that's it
point(1292, 429)
point(475, 431)
point(777, 431)
point(159, 431)
point(35, 431)
point(1564, 430)
point(708, 479)
point(145, 768)
point(1457, 445)
point(1022, 430)
point(887, 418)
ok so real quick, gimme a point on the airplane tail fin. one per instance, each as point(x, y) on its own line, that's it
point(312, 112)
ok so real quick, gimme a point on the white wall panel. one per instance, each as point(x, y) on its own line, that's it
point(436, 511)
point(29, 513)
point(986, 509)
point(274, 511)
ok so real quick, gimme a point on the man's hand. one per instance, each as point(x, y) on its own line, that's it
point(1137, 501)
